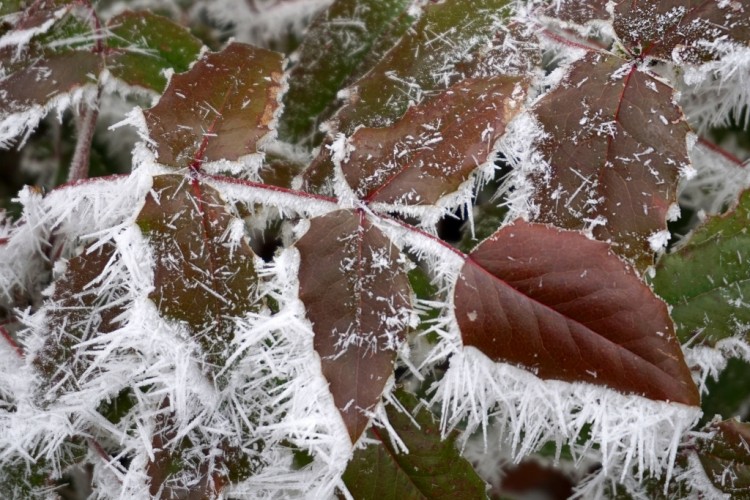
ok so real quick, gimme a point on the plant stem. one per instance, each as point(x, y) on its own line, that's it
point(79, 166)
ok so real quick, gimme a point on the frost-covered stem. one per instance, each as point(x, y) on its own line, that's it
point(565, 41)
point(79, 166)
point(102, 453)
point(9, 339)
point(723, 152)
point(268, 187)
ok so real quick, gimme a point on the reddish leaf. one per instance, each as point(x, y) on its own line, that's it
point(358, 299)
point(616, 143)
point(80, 310)
point(200, 278)
point(580, 12)
point(658, 28)
point(218, 110)
point(435, 146)
point(725, 457)
point(566, 308)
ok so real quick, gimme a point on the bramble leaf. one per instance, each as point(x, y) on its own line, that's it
point(432, 467)
point(566, 308)
point(707, 299)
point(725, 456)
point(446, 33)
point(203, 277)
point(615, 145)
point(219, 110)
point(435, 146)
point(358, 298)
point(83, 307)
point(580, 12)
point(143, 45)
point(336, 41)
point(678, 30)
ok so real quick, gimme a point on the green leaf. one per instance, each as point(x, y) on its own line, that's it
point(143, 45)
point(725, 457)
point(203, 278)
point(432, 468)
point(422, 62)
point(565, 307)
point(727, 396)
point(357, 296)
point(335, 43)
point(707, 281)
point(219, 110)
point(615, 144)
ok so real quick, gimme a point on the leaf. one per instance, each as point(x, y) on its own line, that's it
point(432, 468)
point(435, 146)
point(53, 58)
point(445, 34)
point(143, 45)
point(203, 278)
point(707, 280)
point(81, 307)
point(335, 43)
point(566, 308)
point(219, 110)
point(678, 30)
point(727, 394)
point(615, 146)
point(358, 298)
point(725, 457)
point(580, 12)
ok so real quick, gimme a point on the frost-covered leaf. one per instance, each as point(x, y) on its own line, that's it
point(204, 275)
point(431, 468)
point(725, 457)
point(82, 306)
point(143, 45)
point(679, 30)
point(579, 12)
point(219, 110)
point(729, 392)
point(358, 298)
point(423, 61)
point(615, 145)
point(568, 309)
point(47, 55)
point(707, 281)
point(435, 146)
point(335, 43)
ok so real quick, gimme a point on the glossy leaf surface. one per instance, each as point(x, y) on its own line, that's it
point(201, 278)
point(616, 144)
point(566, 308)
point(707, 299)
point(435, 146)
point(725, 457)
point(447, 31)
point(680, 30)
point(143, 45)
point(218, 110)
point(432, 468)
point(336, 41)
point(358, 298)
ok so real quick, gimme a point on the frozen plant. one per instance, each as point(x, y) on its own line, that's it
point(425, 244)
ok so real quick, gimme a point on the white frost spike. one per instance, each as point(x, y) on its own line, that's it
point(658, 240)
point(707, 361)
point(631, 431)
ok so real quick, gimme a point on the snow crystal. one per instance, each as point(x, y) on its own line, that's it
point(658, 241)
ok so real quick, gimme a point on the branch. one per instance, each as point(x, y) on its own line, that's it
point(79, 166)
point(9, 339)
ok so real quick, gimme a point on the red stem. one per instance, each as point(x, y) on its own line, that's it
point(9, 339)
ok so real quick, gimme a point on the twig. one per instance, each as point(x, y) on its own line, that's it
point(79, 166)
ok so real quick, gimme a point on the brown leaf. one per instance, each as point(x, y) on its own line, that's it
point(616, 143)
point(566, 308)
point(435, 146)
point(673, 29)
point(80, 310)
point(358, 298)
point(218, 110)
point(200, 278)
point(725, 456)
